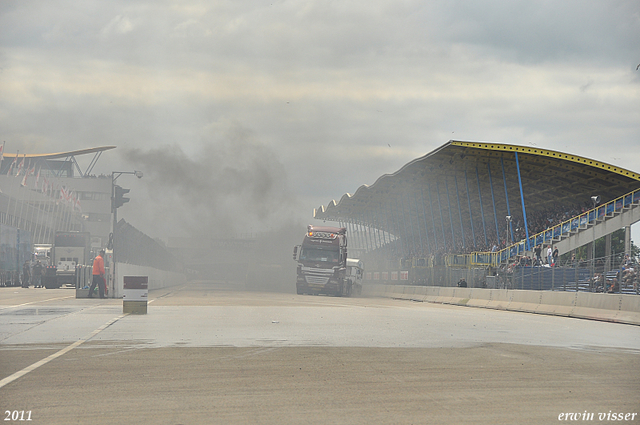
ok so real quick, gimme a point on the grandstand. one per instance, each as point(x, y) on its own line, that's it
point(475, 205)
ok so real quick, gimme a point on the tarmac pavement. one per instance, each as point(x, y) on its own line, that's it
point(206, 353)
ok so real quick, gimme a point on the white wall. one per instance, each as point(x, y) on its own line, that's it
point(157, 278)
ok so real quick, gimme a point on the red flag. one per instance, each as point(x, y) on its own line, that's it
point(27, 173)
point(15, 159)
point(21, 166)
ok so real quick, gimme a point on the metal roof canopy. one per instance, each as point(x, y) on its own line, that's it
point(468, 188)
point(67, 156)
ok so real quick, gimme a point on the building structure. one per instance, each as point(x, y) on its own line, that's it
point(45, 193)
point(475, 197)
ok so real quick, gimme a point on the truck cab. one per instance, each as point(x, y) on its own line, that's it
point(322, 261)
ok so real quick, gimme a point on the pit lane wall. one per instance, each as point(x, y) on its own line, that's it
point(618, 308)
point(157, 278)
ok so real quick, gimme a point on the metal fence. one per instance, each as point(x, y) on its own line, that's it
point(554, 233)
point(614, 275)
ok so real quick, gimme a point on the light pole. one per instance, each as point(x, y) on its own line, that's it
point(117, 200)
point(595, 200)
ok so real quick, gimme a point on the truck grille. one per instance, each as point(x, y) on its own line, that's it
point(315, 276)
point(316, 280)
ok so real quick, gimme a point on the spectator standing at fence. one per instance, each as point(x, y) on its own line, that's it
point(549, 255)
point(538, 251)
point(555, 256)
point(98, 275)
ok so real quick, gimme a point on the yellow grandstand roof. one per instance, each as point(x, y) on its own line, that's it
point(59, 154)
point(468, 187)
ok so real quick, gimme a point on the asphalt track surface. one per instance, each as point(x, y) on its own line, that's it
point(208, 354)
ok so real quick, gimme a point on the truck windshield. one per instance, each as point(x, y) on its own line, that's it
point(315, 254)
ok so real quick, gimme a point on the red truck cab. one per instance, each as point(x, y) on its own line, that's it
point(322, 260)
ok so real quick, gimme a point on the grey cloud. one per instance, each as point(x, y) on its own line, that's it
point(325, 88)
point(533, 32)
point(233, 182)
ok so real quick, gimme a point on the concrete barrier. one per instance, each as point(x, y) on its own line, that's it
point(158, 279)
point(619, 308)
point(480, 298)
point(500, 299)
point(557, 303)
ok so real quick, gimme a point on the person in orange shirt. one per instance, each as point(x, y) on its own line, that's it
point(98, 275)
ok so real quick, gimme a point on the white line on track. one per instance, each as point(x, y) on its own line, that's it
point(44, 361)
point(36, 302)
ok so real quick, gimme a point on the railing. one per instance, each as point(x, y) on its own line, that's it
point(556, 232)
point(613, 274)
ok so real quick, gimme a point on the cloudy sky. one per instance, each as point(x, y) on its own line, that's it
point(259, 111)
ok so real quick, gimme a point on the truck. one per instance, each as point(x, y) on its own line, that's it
point(42, 253)
point(322, 262)
point(70, 249)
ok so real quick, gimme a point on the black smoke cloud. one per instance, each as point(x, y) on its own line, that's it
point(231, 185)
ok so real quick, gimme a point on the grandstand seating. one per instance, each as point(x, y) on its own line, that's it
point(572, 233)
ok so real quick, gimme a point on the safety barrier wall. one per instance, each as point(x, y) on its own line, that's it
point(618, 308)
point(157, 278)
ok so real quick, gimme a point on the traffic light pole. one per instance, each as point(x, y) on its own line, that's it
point(117, 201)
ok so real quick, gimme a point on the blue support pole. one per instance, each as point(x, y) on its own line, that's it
point(399, 238)
point(473, 232)
point(369, 239)
point(493, 199)
point(400, 250)
point(365, 233)
point(370, 235)
point(453, 235)
point(384, 234)
point(444, 238)
point(410, 222)
point(402, 226)
point(405, 235)
point(433, 217)
point(424, 215)
point(415, 201)
point(412, 230)
point(460, 212)
point(354, 234)
point(524, 211)
point(404, 221)
point(362, 237)
point(390, 227)
point(375, 217)
point(506, 196)
point(376, 231)
point(484, 226)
